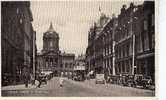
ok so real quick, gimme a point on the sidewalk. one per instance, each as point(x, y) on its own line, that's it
point(19, 87)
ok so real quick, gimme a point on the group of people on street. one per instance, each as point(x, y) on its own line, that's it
point(28, 78)
point(31, 78)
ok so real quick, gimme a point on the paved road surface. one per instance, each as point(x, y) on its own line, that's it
point(77, 89)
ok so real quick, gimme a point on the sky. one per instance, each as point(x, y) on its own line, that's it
point(71, 20)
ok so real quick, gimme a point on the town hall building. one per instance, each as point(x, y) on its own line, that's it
point(49, 59)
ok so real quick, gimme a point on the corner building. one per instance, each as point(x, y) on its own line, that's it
point(16, 40)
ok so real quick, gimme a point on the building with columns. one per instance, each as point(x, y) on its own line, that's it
point(124, 37)
point(124, 44)
point(94, 51)
point(100, 53)
point(109, 46)
point(135, 40)
point(50, 59)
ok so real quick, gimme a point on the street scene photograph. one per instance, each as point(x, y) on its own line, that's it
point(79, 48)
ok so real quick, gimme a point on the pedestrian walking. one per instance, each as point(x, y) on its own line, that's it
point(39, 79)
point(88, 76)
point(32, 78)
point(61, 80)
point(26, 79)
point(25, 75)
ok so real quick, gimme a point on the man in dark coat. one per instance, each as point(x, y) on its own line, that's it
point(39, 79)
point(26, 79)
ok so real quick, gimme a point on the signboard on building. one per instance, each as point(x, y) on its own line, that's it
point(79, 67)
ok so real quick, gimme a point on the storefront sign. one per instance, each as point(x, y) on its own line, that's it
point(79, 67)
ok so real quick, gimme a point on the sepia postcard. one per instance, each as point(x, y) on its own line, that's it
point(82, 48)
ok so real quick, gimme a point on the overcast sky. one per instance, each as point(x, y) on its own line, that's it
point(71, 20)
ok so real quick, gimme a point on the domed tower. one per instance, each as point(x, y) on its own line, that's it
point(51, 59)
point(51, 40)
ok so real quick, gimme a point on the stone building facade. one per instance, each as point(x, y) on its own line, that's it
point(124, 37)
point(79, 66)
point(67, 65)
point(125, 44)
point(94, 51)
point(90, 55)
point(109, 46)
point(17, 33)
point(145, 39)
point(135, 40)
point(50, 59)
point(100, 52)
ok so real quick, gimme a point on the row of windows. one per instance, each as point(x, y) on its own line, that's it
point(107, 50)
point(124, 50)
point(80, 63)
point(123, 32)
point(51, 59)
point(67, 65)
point(107, 38)
point(98, 50)
point(144, 43)
point(126, 30)
point(124, 66)
point(108, 63)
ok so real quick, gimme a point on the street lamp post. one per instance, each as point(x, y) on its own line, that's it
point(133, 37)
point(133, 60)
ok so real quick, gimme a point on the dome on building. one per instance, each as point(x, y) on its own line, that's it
point(51, 32)
point(50, 40)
